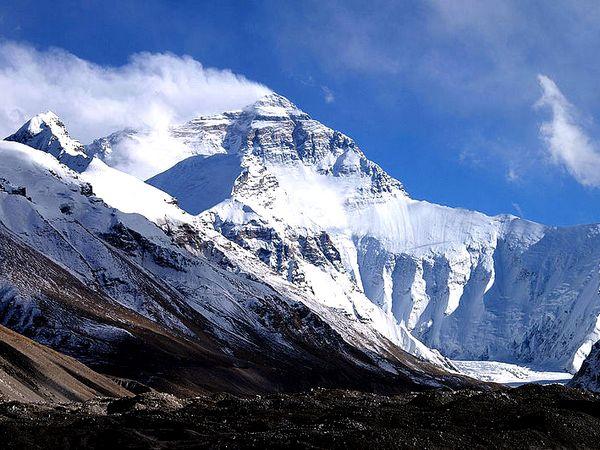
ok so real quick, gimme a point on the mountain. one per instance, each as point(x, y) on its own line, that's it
point(170, 303)
point(47, 132)
point(30, 372)
point(147, 152)
point(306, 200)
point(277, 205)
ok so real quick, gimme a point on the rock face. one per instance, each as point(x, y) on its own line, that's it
point(588, 376)
point(30, 372)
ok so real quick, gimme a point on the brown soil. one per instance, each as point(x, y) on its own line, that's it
point(30, 372)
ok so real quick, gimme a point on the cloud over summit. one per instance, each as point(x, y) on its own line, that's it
point(151, 90)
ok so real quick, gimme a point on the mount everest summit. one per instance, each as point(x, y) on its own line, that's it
point(258, 250)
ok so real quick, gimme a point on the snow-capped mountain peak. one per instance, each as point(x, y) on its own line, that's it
point(37, 123)
point(48, 133)
point(275, 106)
point(313, 206)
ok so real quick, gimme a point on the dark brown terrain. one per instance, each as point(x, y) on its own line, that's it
point(31, 372)
point(525, 417)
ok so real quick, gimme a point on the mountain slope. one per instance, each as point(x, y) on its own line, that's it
point(179, 308)
point(33, 373)
point(295, 202)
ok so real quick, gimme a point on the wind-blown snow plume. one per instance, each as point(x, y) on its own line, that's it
point(567, 142)
point(152, 90)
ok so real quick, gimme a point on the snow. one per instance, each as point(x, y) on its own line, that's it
point(212, 182)
point(38, 123)
point(509, 374)
point(274, 106)
point(131, 195)
point(23, 159)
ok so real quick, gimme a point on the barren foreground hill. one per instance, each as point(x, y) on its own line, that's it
point(31, 372)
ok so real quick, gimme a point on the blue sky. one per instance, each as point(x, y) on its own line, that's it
point(446, 96)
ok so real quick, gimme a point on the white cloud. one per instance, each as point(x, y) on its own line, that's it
point(566, 140)
point(512, 174)
point(152, 90)
point(328, 94)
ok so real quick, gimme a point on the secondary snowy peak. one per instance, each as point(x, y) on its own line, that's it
point(48, 133)
point(104, 145)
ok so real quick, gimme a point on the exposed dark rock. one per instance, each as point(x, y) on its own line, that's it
point(588, 376)
point(86, 189)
